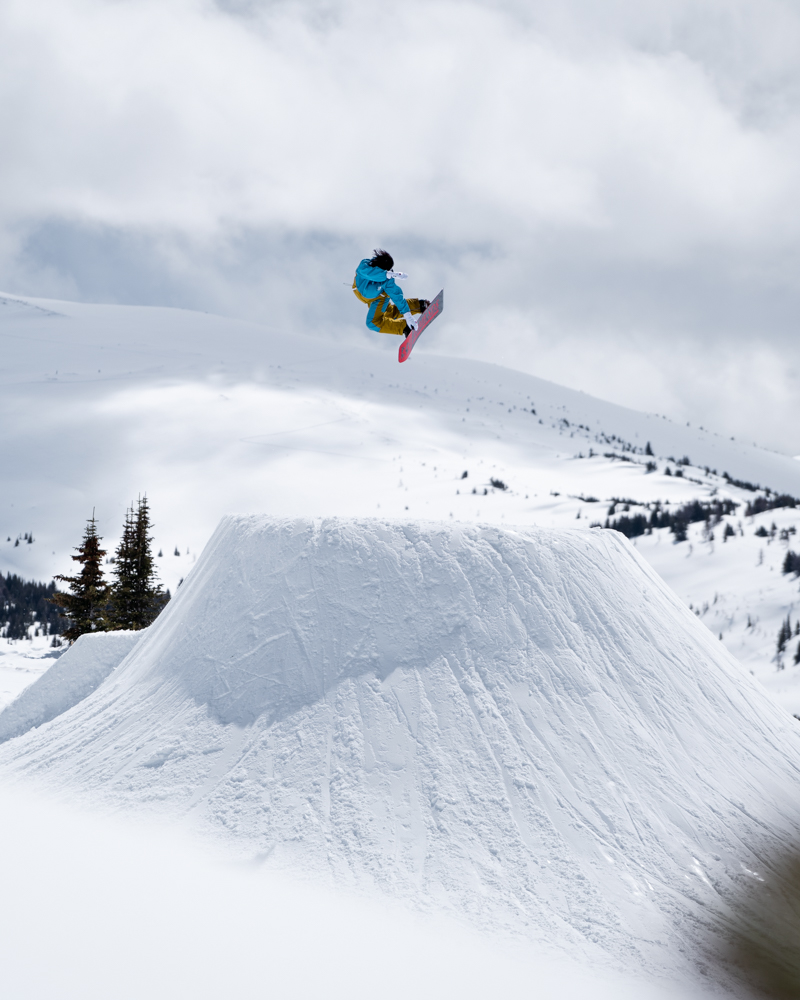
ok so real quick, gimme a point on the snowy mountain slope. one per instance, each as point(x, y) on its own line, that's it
point(524, 725)
point(208, 415)
point(736, 586)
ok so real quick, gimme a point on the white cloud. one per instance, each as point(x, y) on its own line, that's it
point(454, 118)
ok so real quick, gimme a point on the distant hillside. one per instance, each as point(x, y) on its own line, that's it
point(24, 608)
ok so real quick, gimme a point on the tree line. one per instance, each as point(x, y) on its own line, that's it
point(676, 520)
point(24, 603)
point(132, 599)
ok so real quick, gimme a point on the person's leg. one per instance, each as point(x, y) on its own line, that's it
point(374, 313)
point(393, 324)
point(390, 319)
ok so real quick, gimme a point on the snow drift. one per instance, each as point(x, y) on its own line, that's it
point(525, 725)
point(74, 675)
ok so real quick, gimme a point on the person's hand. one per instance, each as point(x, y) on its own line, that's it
point(397, 275)
point(412, 321)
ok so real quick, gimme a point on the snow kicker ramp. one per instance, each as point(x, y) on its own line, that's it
point(76, 673)
point(525, 725)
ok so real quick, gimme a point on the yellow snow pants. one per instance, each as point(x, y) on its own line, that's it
point(383, 315)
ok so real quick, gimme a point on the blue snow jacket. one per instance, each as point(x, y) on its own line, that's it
point(372, 281)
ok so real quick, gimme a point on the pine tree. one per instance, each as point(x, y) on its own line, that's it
point(85, 605)
point(136, 596)
point(784, 634)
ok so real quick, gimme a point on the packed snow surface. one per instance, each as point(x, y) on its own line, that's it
point(109, 909)
point(74, 675)
point(524, 725)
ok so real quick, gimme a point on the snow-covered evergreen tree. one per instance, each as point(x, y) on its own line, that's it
point(784, 634)
point(136, 595)
point(84, 604)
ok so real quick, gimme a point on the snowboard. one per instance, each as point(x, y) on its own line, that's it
point(425, 320)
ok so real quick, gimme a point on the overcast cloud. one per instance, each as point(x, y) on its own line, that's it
point(608, 192)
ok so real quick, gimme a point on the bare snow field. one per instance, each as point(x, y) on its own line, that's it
point(394, 676)
point(21, 663)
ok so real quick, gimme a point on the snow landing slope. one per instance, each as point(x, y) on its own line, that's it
point(524, 725)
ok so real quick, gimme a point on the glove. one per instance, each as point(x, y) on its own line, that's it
point(412, 321)
point(398, 275)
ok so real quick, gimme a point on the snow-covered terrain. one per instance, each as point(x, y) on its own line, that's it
point(523, 726)
point(108, 909)
point(21, 663)
point(80, 669)
point(210, 415)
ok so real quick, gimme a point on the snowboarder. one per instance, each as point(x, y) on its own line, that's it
point(375, 285)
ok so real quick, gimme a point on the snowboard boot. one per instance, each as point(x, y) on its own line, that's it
point(416, 304)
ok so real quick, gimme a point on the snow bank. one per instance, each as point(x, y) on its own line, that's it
point(524, 725)
point(78, 916)
point(74, 675)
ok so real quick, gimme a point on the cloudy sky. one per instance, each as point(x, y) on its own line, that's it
point(608, 192)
